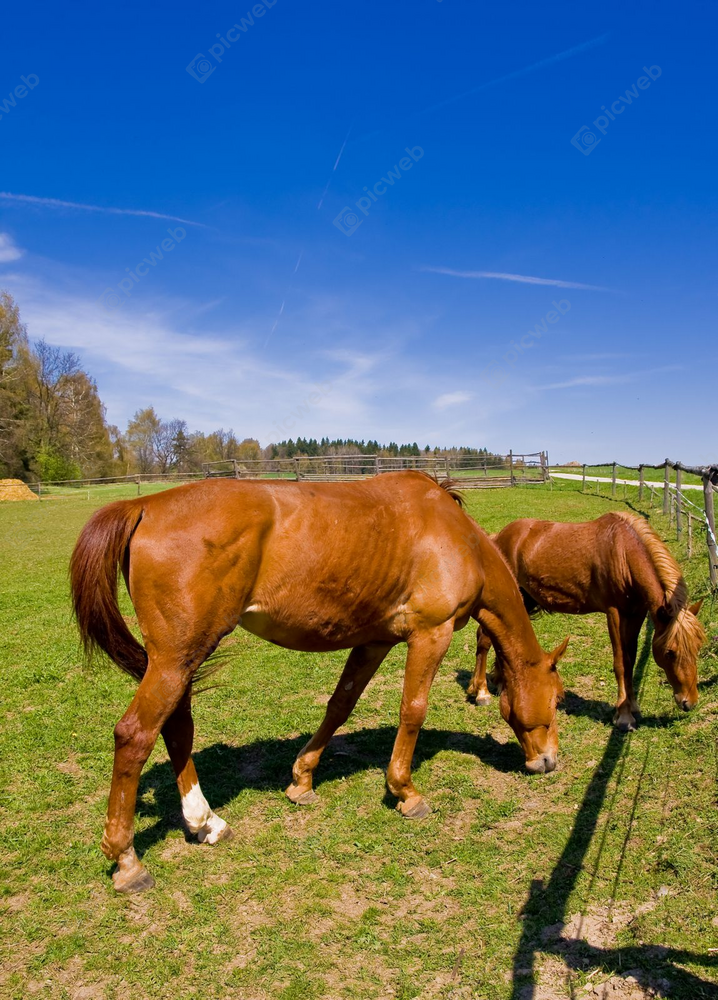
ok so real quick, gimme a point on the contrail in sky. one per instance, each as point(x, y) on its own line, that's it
point(541, 64)
point(56, 203)
point(526, 279)
point(284, 302)
point(334, 168)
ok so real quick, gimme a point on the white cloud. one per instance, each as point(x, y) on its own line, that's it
point(8, 249)
point(451, 399)
point(525, 279)
point(321, 382)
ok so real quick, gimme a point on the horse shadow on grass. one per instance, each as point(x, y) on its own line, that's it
point(544, 914)
point(224, 770)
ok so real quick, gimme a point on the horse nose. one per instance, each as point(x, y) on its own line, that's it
point(543, 764)
point(686, 703)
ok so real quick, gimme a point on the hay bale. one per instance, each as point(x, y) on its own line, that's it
point(15, 489)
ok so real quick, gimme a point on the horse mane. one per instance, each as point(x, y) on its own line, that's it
point(451, 486)
point(684, 627)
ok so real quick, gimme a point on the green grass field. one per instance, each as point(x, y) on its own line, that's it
point(345, 899)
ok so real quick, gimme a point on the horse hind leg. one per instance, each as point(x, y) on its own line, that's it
point(178, 734)
point(478, 690)
point(158, 695)
point(362, 663)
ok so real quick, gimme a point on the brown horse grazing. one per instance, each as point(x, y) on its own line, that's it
point(307, 566)
point(617, 565)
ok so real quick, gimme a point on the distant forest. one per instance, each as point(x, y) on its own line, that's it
point(53, 424)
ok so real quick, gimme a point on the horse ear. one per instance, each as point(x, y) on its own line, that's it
point(695, 608)
point(558, 652)
point(663, 614)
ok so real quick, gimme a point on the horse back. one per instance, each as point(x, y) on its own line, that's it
point(569, 568)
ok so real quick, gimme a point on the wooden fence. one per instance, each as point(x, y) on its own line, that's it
point(493, 471)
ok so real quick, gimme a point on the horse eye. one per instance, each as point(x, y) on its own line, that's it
point(671, 654)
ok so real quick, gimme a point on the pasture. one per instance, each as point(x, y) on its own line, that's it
point(598, 879)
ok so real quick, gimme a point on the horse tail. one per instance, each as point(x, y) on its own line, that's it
point(99, 553)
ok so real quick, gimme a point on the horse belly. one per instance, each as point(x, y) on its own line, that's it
point(313, 631)
point(561, 598)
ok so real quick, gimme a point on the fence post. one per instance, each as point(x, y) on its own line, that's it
point(583, 481)
point(296, 469)
point(138, 480)
point(447, 467)
point(640, 482)
point(376, 465)
point(511, 465)
point(236, 470)
point(711, 529)
point(666, 490)
point(690, 534)
point(613, 480)
point(679, 505)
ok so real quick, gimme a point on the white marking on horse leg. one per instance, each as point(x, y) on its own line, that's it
point(199, 817)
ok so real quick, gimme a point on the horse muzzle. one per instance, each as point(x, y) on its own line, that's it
point(543, 764)
point(685, 703)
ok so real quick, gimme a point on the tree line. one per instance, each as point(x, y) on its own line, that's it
point(53, 424)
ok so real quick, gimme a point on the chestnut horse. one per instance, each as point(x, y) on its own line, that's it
point(307, 566)
point(615, 564)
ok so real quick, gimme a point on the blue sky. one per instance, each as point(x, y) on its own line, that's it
point(276, 314)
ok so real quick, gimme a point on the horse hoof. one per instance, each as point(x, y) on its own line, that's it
point(301, 798)
point(484, 699)
point(214, 835)
point(137, 879)
point(420, 810)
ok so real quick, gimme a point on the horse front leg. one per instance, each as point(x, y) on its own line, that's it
point(156, 698)
point(178, 734)
point(478, 690)
point(624, 631)
point(362, 664)
point(426, 651)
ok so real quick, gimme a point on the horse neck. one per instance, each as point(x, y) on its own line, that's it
point(645, 578)
point(502, 613)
